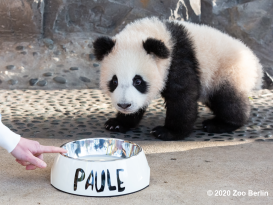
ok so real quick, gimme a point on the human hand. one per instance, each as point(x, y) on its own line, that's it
point(29, 153)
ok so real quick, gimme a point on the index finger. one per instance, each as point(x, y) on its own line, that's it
point(51, 149)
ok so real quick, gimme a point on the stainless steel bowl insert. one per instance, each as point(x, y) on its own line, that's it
point(101, 149)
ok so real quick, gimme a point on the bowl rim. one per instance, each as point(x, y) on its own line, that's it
point(102, 161)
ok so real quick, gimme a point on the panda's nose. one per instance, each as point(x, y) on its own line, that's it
point(124, 106)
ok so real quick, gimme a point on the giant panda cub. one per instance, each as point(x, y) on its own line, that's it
point(185, 63)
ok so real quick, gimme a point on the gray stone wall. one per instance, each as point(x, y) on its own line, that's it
point(106, 17)
point(21, 19)
point(51, 36)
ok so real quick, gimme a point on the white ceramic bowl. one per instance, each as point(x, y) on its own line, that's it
point(100, 167)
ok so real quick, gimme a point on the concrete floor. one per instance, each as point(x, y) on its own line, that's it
point(199, 167)
point(240, 160)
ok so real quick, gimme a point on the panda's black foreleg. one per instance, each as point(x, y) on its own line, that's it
point(231, 109)
point(123, 122)
point(180, 117)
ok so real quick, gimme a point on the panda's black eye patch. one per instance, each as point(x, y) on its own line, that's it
point(113, 84)
point(140, 84)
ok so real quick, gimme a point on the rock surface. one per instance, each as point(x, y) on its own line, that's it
point(42, 83)
point(49, 43)
point(33, 81)
point(48, 74)
point(60, 80)
point(69, 27)
point(13, 82)
point(10, 67)
point(84, 79)
point(21, 18)
point(74, 68)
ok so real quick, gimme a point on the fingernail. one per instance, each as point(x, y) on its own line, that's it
point(43, 164)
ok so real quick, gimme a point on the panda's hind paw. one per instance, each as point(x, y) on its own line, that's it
point(218, 126)
point(162, 133)
point(114, 125)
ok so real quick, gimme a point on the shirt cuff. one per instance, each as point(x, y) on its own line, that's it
point(8, 139)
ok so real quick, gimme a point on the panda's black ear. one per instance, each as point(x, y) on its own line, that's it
point(157, 47)
point(102, 47)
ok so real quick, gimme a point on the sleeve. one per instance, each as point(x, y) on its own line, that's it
point(8, 139)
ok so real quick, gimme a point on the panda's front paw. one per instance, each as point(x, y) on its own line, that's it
point(162, 133)
point(114, 125)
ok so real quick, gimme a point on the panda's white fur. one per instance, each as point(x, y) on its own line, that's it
point(219, 71)
point(220, 57)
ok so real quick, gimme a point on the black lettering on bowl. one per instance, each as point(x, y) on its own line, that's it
point(90, 182)
point(77, 178)
point(111, 188)
point(102, 181)
point(120, 189)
